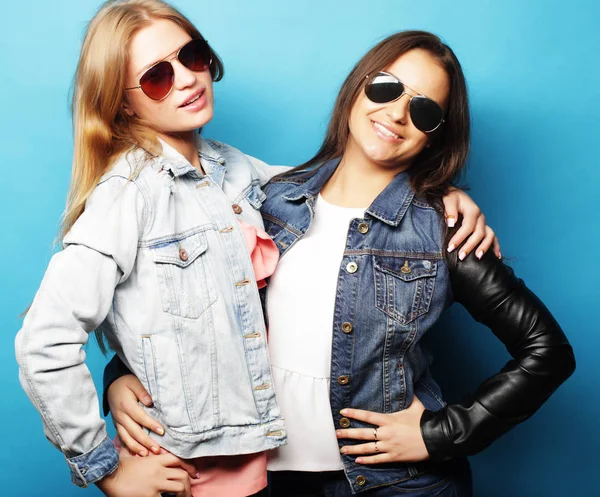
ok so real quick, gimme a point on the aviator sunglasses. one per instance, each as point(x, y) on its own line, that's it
point(157, 82)
point(383, 88)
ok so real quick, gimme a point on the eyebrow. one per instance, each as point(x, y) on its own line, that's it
point(152, 64)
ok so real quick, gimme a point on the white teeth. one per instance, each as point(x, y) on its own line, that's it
point(385, 131)
point(192, 100)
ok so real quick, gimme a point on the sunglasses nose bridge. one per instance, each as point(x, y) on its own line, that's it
point(398, 109)
point(182, 75)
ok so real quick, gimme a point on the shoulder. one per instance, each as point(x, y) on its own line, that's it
point(288, 180)
point(137, 169)
point(487, 279)
point(133, 181)
point(130, 166)
point(235, 159)
point(422, 203)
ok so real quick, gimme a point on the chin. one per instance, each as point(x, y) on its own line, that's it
point(203, 119)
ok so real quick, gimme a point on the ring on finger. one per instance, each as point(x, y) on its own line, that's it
point(375, 433)
point(376, 448)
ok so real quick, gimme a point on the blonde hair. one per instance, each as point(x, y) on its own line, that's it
point(102, 129)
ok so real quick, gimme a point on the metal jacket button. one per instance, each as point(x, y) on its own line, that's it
point(183, 255)
point(361, 481)
point(343, 380)
point(352, 267)
point(363, 228)
point(347, 327)
point(236, 208)
point(344, 422)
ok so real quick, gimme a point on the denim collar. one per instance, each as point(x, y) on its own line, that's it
point(389, 206)
point(173, 161)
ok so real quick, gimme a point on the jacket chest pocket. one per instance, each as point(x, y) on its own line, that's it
point(404, 286)
point(186, 285)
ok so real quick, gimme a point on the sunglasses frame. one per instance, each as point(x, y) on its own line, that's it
point(369, 78)
point(168, 61)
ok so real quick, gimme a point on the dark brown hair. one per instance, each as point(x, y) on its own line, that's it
point(436, 167)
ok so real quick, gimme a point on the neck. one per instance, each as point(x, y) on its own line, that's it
point(357, 181)
point(185, 143)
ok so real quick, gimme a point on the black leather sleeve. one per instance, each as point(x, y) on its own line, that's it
point(542, 359)
point(112, 372)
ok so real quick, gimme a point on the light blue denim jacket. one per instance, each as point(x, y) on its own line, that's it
point(157, 261)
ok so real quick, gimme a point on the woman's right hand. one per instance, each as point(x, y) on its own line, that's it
point(129, 417)
point(147, 477)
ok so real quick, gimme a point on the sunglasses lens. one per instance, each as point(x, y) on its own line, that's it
point(426, 115)
point(195, 55)
point(158, 80)
point(383, 88)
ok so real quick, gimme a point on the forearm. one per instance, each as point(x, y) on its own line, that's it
point(114, 370)
point(542, 360)
point(73, 300)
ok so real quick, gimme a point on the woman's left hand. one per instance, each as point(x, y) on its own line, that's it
point(481, 238)
point(393, 438)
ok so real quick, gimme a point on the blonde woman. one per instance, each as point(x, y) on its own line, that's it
point(163, 244)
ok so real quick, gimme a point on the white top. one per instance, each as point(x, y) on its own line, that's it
point(301, 301)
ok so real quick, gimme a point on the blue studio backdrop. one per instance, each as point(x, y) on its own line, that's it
point(533, 73)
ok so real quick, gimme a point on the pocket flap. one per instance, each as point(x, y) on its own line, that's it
point(182, 252)
point(406, 269)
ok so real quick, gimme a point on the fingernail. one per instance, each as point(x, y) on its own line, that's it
point(451, 221)
point(156, 450)
point(343, 412)
point(197, 474)
point(143, 453)
point(480, 254)
point(159, 430)
point(451, 247)
point(147, 401)
point(343, 450)
point(462, 255)
point(338, 434)
point(499, 255)
point(358, 460)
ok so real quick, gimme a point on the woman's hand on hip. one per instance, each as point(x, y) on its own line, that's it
point(124, 396)
point(393, 437)
point(478, 235)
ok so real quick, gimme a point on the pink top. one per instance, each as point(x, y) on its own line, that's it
point(230, 476)
point(263, 252)
point(243, 475)
point(225, 476)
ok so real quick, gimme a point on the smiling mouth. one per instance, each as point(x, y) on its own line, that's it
point(385, 131)
point(192, 100)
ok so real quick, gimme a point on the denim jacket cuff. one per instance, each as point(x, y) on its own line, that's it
point(94, 465)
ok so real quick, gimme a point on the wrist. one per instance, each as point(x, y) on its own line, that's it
point(107, 483)
point(92, 466)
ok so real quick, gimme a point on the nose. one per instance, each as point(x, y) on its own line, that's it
point(398, 110)
point(183, 77)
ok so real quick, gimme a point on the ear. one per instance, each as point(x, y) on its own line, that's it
point(128, 110)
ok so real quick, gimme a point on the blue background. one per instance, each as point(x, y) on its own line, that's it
point(532, 69)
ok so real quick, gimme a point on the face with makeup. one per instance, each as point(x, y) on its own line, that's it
point(383, 135)
point(189, 105)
